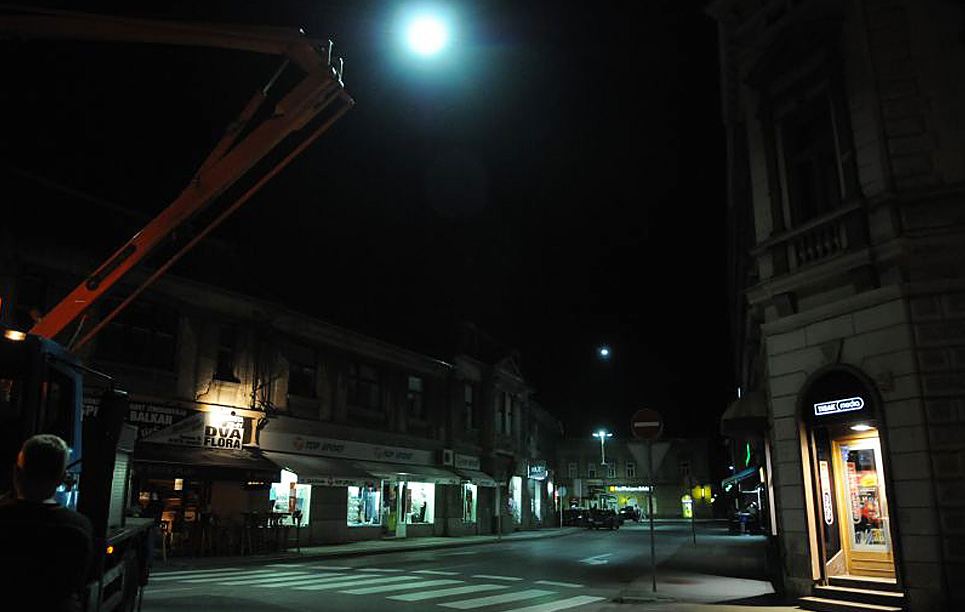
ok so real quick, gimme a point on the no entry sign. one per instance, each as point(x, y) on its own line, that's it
point(646, 424)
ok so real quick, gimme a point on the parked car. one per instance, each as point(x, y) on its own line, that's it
point(573, 517)
point(631, 513)
point(602, 519)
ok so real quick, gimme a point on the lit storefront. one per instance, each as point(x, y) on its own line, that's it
point(515, 499)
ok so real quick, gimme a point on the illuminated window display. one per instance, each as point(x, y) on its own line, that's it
point(469, 492)
point(516, 497)
point(536, 502)
point(418, 502)
point(288, 496)
point(364, 504)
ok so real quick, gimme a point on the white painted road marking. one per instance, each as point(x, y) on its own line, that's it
point(332, 567)
point(260, 573)
point(597, 560)
point(306, 580)
point(492, 600)
point(199, 574)
point(488, 577)
point(561, 584)
point(367, 580)
point(397, 587)
point(436, 572)
point(562, 604)
point(381, 571)
point(463, 590)
point(275, 578)
point(162, 591)
point(204, 571)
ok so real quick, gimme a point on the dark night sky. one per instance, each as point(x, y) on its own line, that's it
point(558, 179)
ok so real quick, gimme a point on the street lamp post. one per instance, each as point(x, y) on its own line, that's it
point(603, 435)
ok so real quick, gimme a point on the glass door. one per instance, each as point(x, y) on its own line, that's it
point(863, 506)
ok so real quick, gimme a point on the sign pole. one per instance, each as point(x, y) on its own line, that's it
point(693, 508)
point(653, 556)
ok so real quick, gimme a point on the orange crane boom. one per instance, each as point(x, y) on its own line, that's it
point(299, 117)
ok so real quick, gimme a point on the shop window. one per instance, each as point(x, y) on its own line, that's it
point(227, 354)
point(515, 499)
point(536, 499)
point(631, 470)
point(302, 365)
point(469, 497)
point(573, 470)
point(364, 504)
point(591, 470)
point(144, 334)
point(418, 500)
point(415, 398)
point(288, 497)
point(611, 470)
point(364, 389)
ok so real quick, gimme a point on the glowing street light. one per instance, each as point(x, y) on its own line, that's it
point(602, 435)
point(604, 352)
point(427, 34)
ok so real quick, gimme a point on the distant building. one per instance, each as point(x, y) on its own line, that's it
point(845, 125)
point(248, 412)
point(681, 484)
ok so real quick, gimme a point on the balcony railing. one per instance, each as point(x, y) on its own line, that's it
point(837, 232)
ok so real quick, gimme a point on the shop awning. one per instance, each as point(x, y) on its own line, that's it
point(417, 473)
point(153, 460)
point(746, 416)
point(319, 470)
point(478, 478)
point(730, 481)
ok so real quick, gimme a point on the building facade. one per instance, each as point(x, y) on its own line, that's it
point(682, 485)
point(845, 125)
point(250, 415)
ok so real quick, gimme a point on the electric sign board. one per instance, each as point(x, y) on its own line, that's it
point(838, 406)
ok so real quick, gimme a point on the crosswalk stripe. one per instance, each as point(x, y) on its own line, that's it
point(381, 571)
point(262, 574)
point(207, 571)
point(463, 590)
point(305, 580)
point(492, 600)
point(561, 604)
point(339, 585)
point(332, 567)
point(217, 576)
point(286, 565)
point(488, 577)
point(436, 572)
point(396, 587)
point(562, 584)
point(274, 578)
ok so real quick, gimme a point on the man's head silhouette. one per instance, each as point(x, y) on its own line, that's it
point(40, 467)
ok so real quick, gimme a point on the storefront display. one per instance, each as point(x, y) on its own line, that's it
point(536, 501)
point(288, 497)
point(418, 502)
point(515, 498)
point(365, 504)
point(469, 497)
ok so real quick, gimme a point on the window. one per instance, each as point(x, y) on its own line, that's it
point(414, 400)
point(363, 387)
point(515, 499)
point(364, 504)
point(469, 497)
point(508, 412)
point(288, 497)
point(536, 499)
point(500, 409)
point(811, 166)
point(419, 502)
point(469, 414)
point(631, 470)
point(591, 470)
point(144, 335)
point(227, 354)
point(573, 470)
point(684, 469)
point(611, 470)
point(301, 372)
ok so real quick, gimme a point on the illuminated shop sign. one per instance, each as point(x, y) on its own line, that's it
point(538, 470)
point(836, 406)
point(629, 489)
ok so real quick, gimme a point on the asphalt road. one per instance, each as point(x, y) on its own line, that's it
point(573, 572)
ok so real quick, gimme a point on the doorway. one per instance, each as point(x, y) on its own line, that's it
point(862, 505)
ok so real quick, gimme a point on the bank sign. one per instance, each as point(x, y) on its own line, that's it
point(837, 406)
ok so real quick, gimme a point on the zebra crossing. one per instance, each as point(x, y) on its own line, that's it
point(446, 589)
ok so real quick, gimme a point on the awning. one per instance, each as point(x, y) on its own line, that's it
point(730, 481)
point(746, 416)
point(319, 470)
point(169, 461)
point(476, 477)
point(417, 473)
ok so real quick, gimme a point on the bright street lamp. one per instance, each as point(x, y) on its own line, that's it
point(602, 435)
point(604, 352)
point(426, 34)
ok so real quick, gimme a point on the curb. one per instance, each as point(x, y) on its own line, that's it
point(189, 562)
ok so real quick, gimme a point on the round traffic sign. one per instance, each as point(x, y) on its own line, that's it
point(646, 424)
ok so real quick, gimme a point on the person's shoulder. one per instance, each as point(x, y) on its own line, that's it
point(73, 518)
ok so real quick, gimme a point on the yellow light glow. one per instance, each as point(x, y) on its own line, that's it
point(110, 550)
point(16, 336)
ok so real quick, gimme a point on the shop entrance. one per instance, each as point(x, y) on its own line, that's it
point(841, 410)
point(862, 506)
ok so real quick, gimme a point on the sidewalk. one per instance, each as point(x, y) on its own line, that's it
point(356, 549)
